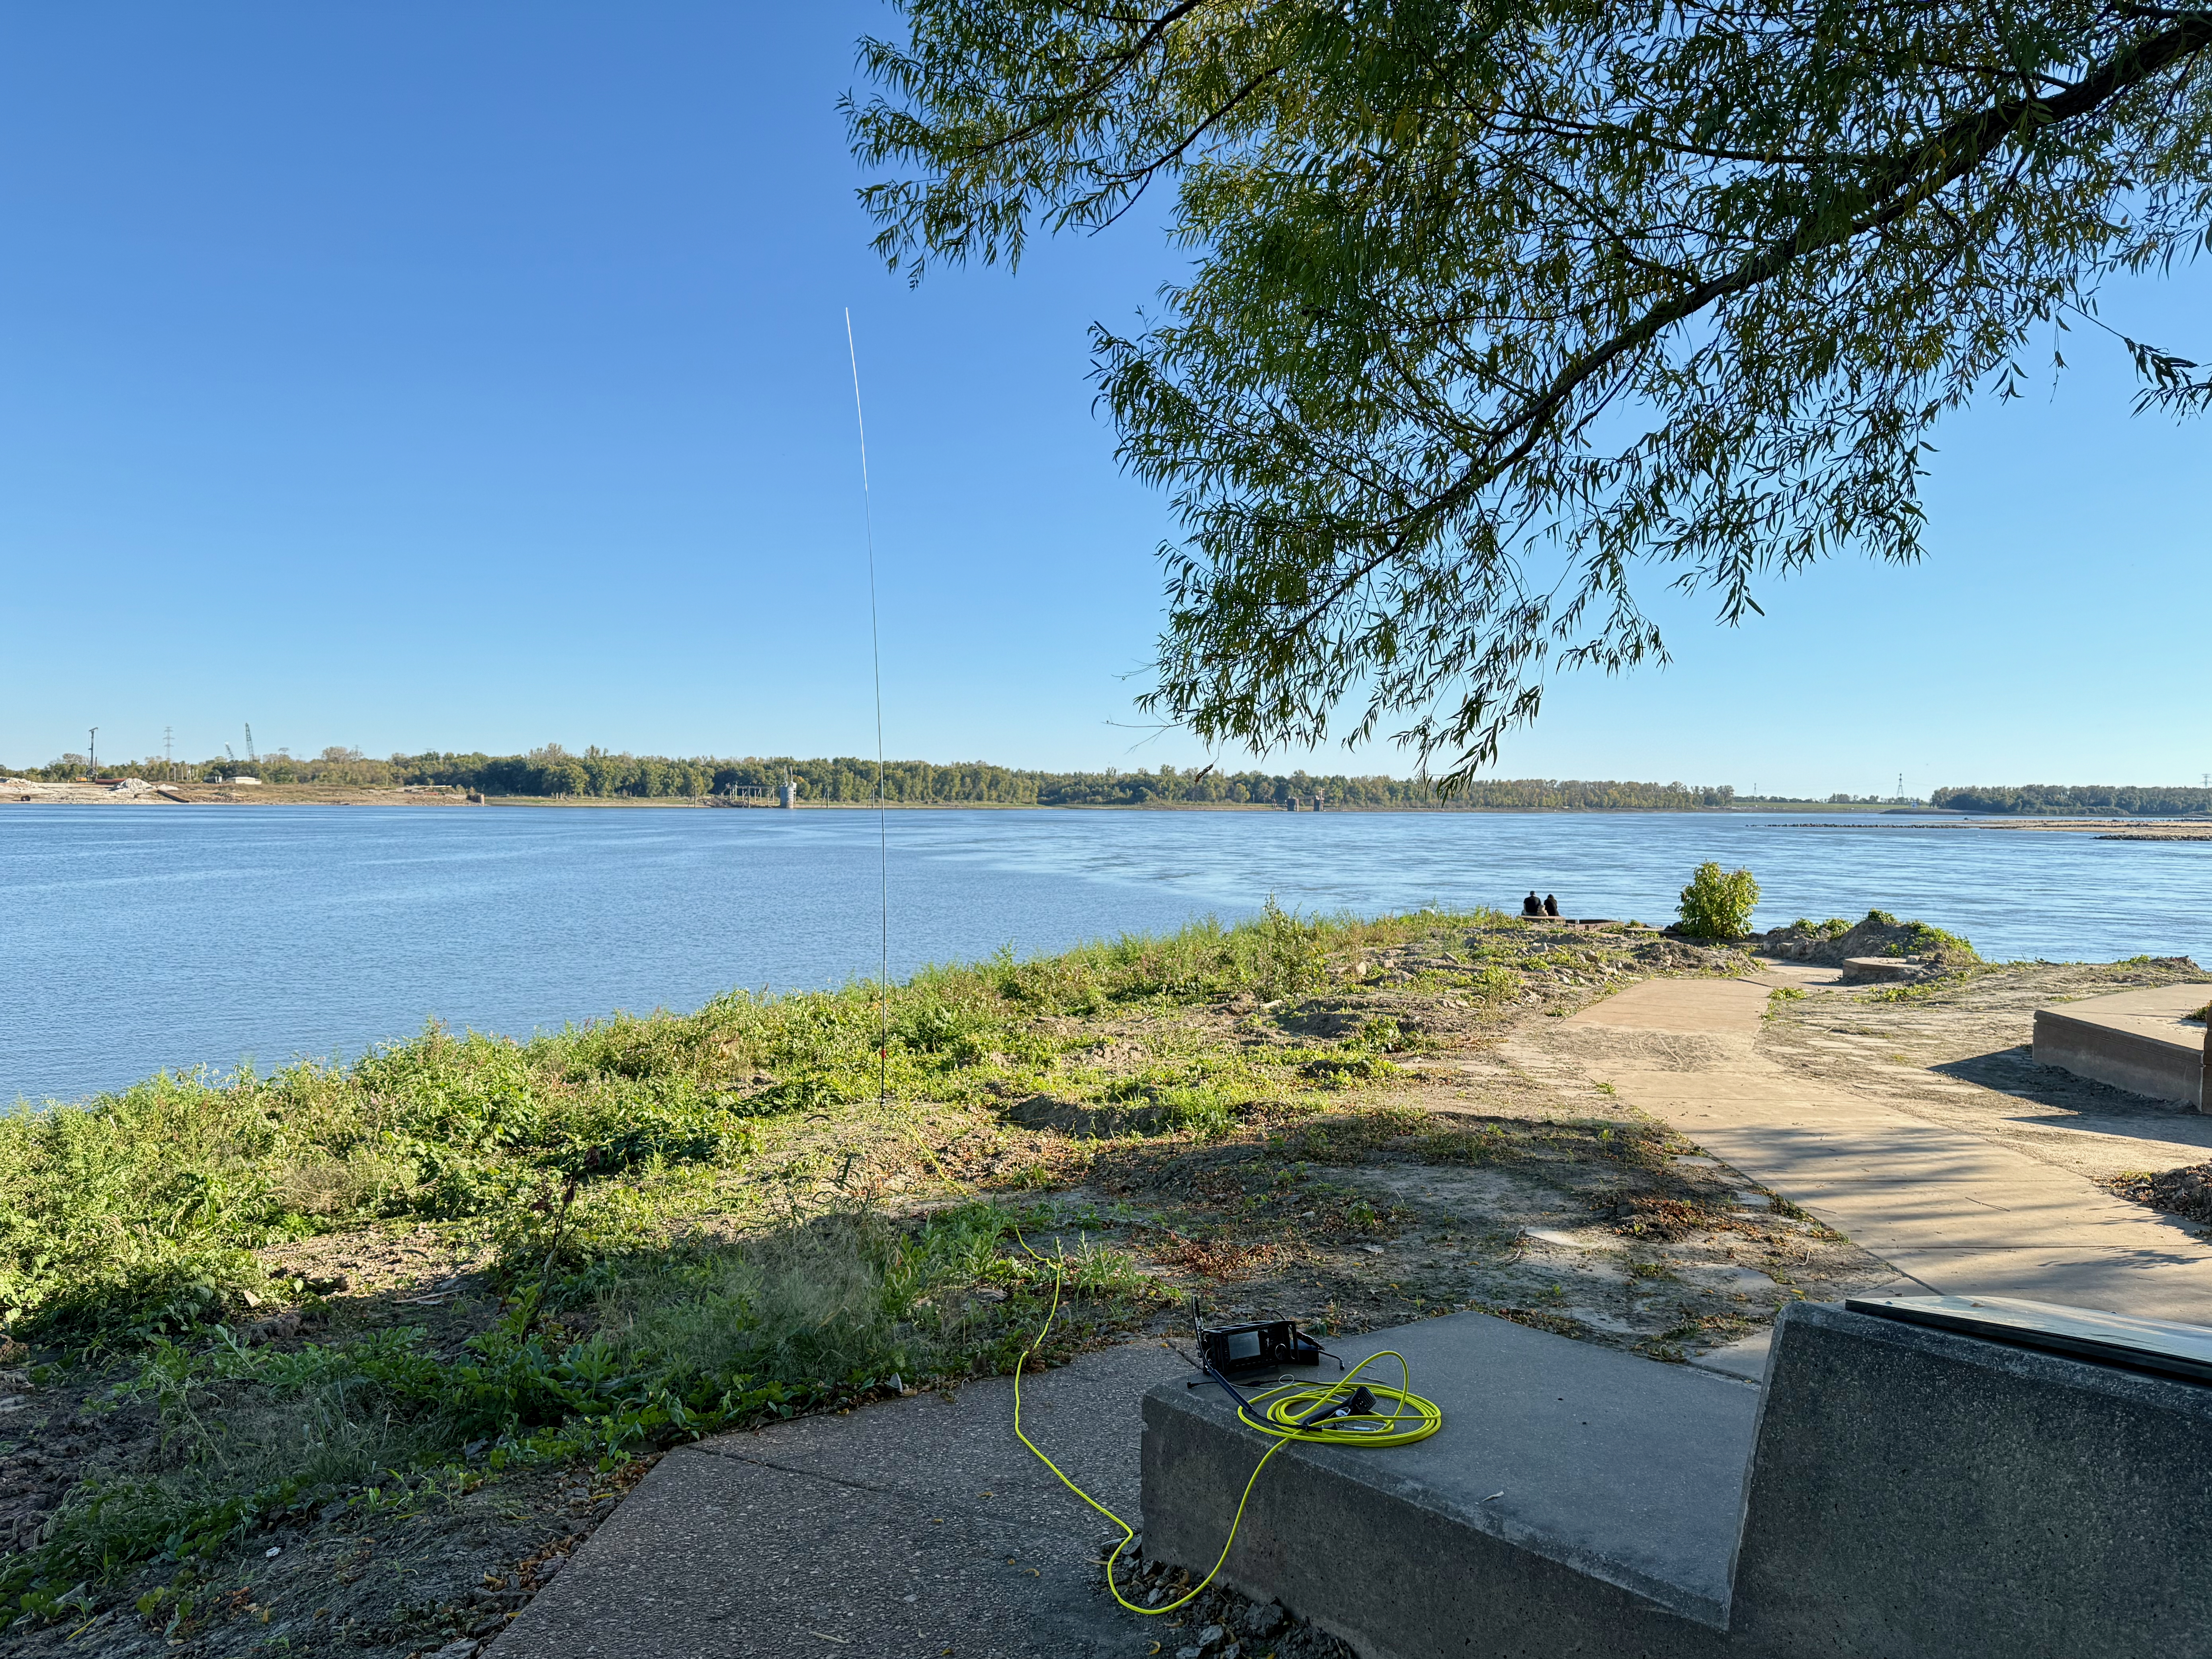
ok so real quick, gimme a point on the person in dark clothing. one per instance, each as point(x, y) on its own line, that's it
point(1531, 906)
point(1551, 905)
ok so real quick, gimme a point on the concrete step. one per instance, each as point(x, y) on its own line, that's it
point(1916, 1491)
point(1574, 1493)
point(2133, 1040)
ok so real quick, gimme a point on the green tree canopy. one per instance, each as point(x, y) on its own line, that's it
point(1497, 302)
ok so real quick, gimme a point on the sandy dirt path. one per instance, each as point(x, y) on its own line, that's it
point(1944, 1178)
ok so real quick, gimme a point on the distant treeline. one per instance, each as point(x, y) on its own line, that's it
point(554, 770)
point(2062, 800)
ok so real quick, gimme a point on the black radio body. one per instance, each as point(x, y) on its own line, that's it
point(1245, 1350)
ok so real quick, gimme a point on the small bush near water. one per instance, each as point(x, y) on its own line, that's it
point(1717, 903)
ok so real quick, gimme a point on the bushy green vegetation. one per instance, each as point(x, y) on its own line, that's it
point(1951, 950)
point(1833, 927)
point(1717, 903)
point(553, 771)
point(140, 1212)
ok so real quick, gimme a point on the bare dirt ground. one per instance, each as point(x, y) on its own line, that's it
point(1478, 1188)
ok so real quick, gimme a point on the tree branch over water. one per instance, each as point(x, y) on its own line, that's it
point(1498, 311)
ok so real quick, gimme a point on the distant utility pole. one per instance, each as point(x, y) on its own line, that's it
point(92, 752)
point(1901, 786)
point(167, 759)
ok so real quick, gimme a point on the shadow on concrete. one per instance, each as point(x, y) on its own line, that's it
point(2072, 1102)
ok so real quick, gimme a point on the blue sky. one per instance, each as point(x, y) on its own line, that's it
point(471, 377)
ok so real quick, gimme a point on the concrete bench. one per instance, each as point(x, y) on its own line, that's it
point(2134, 1040)
point(1893, 1490)
point(1861, 971)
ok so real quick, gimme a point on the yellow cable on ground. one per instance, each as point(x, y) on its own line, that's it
point(1284, 1418)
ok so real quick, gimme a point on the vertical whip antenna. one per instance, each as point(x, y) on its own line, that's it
point(883, 821)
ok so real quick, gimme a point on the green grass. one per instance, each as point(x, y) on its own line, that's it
point(682, 1218)
point(627, 1351)
point(137, 1215)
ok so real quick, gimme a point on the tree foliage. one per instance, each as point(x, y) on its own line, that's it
point(2133, 800)
point(851, 780)
point(1497, 302)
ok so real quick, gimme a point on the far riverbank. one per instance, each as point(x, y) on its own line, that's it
point(134, 791)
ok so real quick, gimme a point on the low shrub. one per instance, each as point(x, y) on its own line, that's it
point(1717, 903)
point(1945, 949)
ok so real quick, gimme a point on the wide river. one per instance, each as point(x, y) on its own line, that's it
point(134, 939)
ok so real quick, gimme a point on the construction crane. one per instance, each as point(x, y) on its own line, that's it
point(251, 758)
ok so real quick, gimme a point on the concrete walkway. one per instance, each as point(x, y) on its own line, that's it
point(915, 1526)
point(1955, 1211)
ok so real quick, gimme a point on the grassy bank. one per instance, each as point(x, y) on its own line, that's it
point(151, 1212)
point(438, 1304)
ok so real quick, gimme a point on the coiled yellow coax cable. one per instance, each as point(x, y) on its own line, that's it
point(1288, 1413)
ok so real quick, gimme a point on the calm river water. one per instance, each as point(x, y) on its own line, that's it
point(136, 939)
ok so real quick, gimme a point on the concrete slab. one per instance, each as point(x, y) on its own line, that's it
point(1574, 1494)
point(1949, 1208)
point(1681, 1005)
point(1745, 1359)
point(2133, 1040)
point(1801, 975)
point(1868, 969)
point(915, 1527)
point(1910, 1492)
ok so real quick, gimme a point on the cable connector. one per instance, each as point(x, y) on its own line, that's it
point(1360, 1404)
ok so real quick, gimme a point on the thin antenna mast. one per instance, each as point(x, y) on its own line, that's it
point(882, 822)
